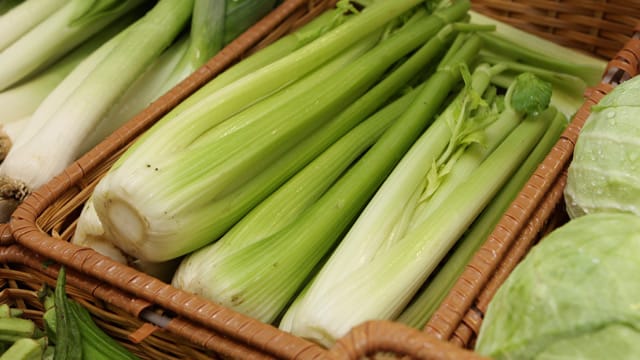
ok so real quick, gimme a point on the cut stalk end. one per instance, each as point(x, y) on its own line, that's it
point(5, 144)
point(130, 233)
point(12, 192)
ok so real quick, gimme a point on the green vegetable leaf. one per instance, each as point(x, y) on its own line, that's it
point(530, 94)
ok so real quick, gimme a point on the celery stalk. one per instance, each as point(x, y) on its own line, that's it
point(288, 257)
point(274, 214)
point(531, 47)
point(404, 266)
point(439, 284)
point(89, 231)
point(195, 118)
point(212, 171)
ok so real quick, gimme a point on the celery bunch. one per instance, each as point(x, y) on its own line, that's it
point(322, 181)
point(74, 71)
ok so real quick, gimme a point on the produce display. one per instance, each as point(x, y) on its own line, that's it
point(74, 71)
point(379, 132)
point(344, 173)
point(573, 295)
point(69, 332)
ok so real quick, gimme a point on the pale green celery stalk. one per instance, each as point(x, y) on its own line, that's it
point(146, 89)
point(269, 54)
point(23, 17)
point(89, 231)
point(381, 288)
point(420, 310)
point(377, 226)
point(195, 177)
point(198, 272)
point(60, 32)
point(587, 67)
point(196, 117)
point(465, 164)
point(287, 257)
point(387, 215)
point(55, 144)
point(590, 74)
point(22, 100)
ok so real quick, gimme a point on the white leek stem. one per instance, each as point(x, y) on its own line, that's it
point(23, 17)
point(58, 141)
point(54, 37)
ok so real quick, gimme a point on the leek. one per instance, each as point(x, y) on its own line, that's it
point(287, 257)
point(40, 154)
point(403, 267)
point(60, 32)
point(438, 285)
point(7, 5)
point(23, 17)
point(188, 179)
point(21, 101)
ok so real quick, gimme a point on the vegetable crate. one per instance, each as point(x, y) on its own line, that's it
point(158, 321)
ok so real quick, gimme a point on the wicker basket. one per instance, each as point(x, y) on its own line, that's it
point(538, 209)
point(46, 220)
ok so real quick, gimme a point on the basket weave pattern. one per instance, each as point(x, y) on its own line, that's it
point(194, 327)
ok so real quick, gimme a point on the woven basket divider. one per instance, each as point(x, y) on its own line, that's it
point(25, 273)
point(54, 208)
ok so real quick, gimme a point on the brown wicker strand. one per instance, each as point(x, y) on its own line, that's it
point(469, 327)
point(595, 27)
point(380, 336)
point(86, 290)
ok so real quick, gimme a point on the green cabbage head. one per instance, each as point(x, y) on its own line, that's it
point(604, 174)
point(576, 295)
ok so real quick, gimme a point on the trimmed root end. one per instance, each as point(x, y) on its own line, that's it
point(12, 193)
point(5, 145)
